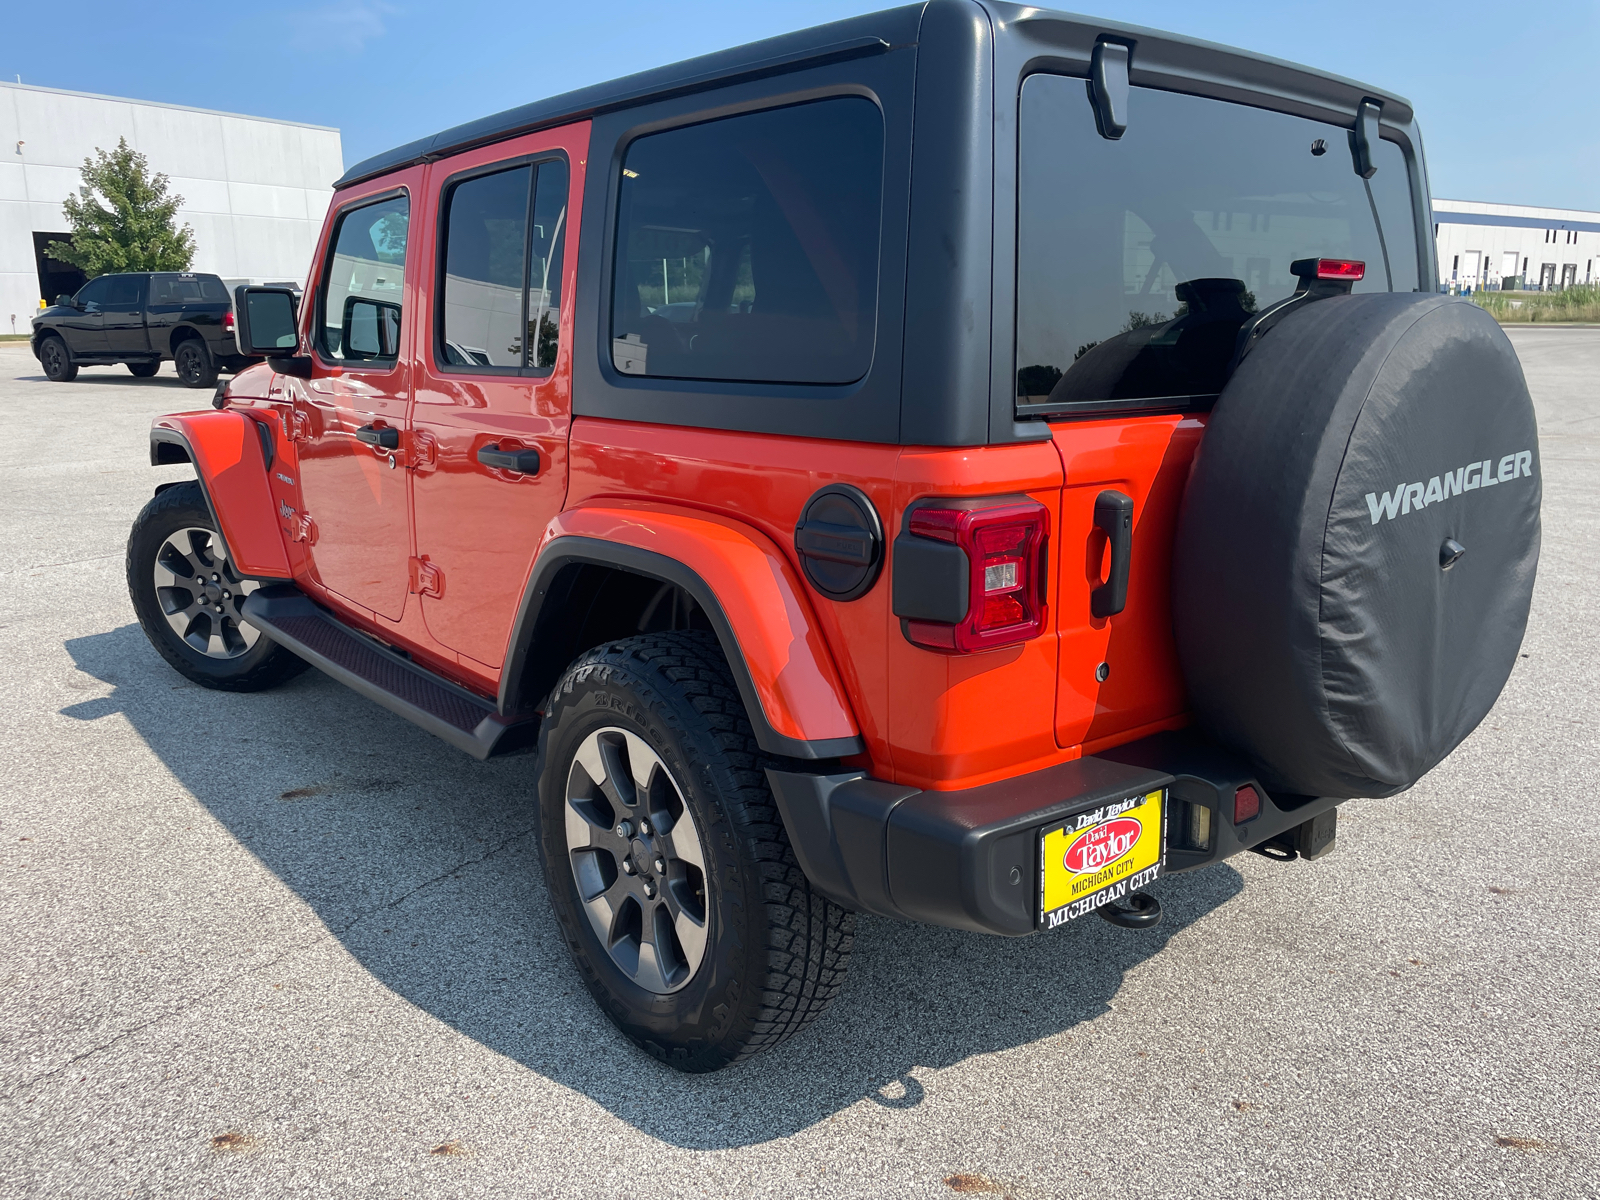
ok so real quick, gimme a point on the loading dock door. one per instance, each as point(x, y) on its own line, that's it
point(1508, 264)
point(1469, 270)
point(56, 278)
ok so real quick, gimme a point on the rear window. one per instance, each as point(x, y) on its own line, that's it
point(1138, 259)
point(186, 289)
point(747, 248)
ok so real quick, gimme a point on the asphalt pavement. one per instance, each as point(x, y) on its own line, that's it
point(287, 945)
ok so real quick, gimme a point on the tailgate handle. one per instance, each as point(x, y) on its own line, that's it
point(522, 462)
point(1113, 512)
point(386, 437)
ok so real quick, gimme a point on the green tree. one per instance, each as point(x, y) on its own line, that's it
point(135, 229)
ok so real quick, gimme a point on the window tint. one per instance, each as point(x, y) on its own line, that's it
point(502, 275)
point(486, 234)
point(123, 291)
point(186, 289)
point(1138, 259)
point(94, 292)
point(747, 248)
point(367, 264)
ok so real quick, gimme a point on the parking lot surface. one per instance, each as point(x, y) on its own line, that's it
point(287, 945)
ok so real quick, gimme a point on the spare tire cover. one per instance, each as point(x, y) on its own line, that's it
point(1318, 630)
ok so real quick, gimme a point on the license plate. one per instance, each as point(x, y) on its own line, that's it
point(1097, 857)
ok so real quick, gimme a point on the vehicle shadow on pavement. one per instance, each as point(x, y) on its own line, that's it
point(423, 864)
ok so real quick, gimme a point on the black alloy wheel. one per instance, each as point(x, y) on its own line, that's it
point(57, 363)
point(143, 370)
point(666, 860)
point(194, 365)
point(188, 597)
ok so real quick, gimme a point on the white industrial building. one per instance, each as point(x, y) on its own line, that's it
point(254, 190)
point(1506, 245)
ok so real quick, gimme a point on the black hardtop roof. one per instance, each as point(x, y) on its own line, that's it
point(1158, 59)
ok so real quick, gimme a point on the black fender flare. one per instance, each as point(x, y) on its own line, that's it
point(528, 676)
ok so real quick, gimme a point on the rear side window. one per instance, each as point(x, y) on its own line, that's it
point(124, 291)
point(500, 303)
point(186, 289)
point(362, 283)
point(1138, 259)
point(747, 247)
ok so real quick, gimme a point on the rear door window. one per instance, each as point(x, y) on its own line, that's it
point(747, 247)
point(362, 283)
point(124, 291)
point(1138, 259)
point(500, 307)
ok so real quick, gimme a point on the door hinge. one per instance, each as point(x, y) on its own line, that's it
point(426, 579)
point(424, 450)
point(304, 530)
point(302, 426)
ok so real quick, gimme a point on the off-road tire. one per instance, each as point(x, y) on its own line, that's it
point(194, 364)
point(264, 665)
point(56, 360)
point(143, 370)
point(776, 951)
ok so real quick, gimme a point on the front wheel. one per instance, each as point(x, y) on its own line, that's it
point(57, 363)
point(667, 863)
point(194, 365)
point(188, 597)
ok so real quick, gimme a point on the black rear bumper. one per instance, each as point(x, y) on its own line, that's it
point(970, 859)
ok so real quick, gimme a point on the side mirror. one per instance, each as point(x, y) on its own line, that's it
point(370, 329)
point(64, 301)
point(265, 320)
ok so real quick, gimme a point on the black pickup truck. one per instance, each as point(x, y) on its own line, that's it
point(141, 320)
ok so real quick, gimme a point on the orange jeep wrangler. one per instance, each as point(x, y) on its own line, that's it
point(959, 464)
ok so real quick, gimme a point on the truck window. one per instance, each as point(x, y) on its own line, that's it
point(123, 291)
point(1138, 259)
point(501, 284)
point(367, 263)
point(186, 289)
point(747, 247)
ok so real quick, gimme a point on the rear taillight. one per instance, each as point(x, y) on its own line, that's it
point(1004, 544)
point(227, 321)
point(1350, 269)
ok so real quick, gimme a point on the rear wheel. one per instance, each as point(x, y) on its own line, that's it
point(188, 597)
point(194, 365)
point(143, 370)
point(57, 363)
point(667, 863)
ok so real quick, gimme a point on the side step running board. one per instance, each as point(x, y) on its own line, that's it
point(292, 619)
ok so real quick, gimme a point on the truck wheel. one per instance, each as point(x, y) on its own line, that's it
point(187, 596)
point(57, 363)
point(143, 370)
point(667, 863)
point(194, 365)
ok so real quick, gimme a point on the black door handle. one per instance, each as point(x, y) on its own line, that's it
point(385, 436)
point(523, 462)
point(1113, 512)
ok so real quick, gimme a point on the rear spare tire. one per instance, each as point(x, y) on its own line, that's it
point(1357, 544)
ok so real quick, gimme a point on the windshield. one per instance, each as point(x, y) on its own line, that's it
point(1138, 259)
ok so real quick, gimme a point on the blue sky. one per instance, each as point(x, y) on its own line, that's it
point(1506, 93)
